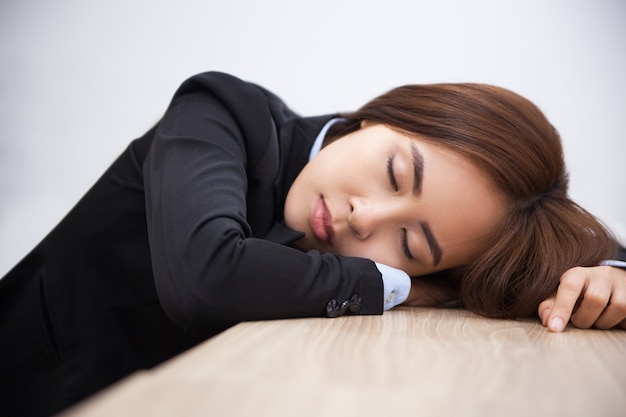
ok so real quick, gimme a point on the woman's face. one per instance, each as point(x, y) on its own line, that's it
point(396, 199)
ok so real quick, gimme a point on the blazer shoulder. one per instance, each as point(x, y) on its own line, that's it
point(253, 106)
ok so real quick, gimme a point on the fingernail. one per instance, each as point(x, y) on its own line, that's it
point(556, 324)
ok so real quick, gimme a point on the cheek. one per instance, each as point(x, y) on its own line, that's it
point(376, 251)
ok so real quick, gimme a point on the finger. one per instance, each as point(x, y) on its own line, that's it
point(593, 304)
point(572, 285)
point(545, 307)
point(615, 314)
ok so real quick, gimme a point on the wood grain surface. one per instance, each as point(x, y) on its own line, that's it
point(410, 361)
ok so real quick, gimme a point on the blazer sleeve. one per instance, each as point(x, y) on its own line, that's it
point(208, 268)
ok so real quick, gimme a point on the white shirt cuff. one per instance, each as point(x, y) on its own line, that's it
point(611, 262)
point(396, 285)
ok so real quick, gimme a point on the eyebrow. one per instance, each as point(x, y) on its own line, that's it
point(435, 249)
point(418, 169)
point(418, 175)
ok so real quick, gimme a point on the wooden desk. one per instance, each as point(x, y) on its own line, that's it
point(418, 362)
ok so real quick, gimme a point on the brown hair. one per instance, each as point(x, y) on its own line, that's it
point(543, 232)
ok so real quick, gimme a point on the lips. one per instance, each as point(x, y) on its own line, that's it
point(322, 222)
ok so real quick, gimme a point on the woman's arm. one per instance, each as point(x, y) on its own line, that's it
point(208, 266)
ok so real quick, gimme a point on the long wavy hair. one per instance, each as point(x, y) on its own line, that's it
point(543, 232)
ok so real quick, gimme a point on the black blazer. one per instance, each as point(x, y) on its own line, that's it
point(182, 237)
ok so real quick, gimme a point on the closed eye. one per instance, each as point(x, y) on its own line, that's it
point(391, 174)
point(405, 246)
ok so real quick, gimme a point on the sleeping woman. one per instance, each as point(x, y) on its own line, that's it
point(233, 208)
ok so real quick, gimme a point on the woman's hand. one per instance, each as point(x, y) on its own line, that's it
point(590, 297)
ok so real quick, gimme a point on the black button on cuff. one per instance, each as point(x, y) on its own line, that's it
point(355, 303)
point(333, 309)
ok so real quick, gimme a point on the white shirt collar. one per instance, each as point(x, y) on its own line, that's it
point(319, 140)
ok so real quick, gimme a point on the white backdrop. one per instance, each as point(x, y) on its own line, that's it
point(79, 79)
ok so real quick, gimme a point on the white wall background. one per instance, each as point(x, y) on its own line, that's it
point(79, 79)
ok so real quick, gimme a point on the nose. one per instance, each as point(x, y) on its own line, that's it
point(368, 216)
